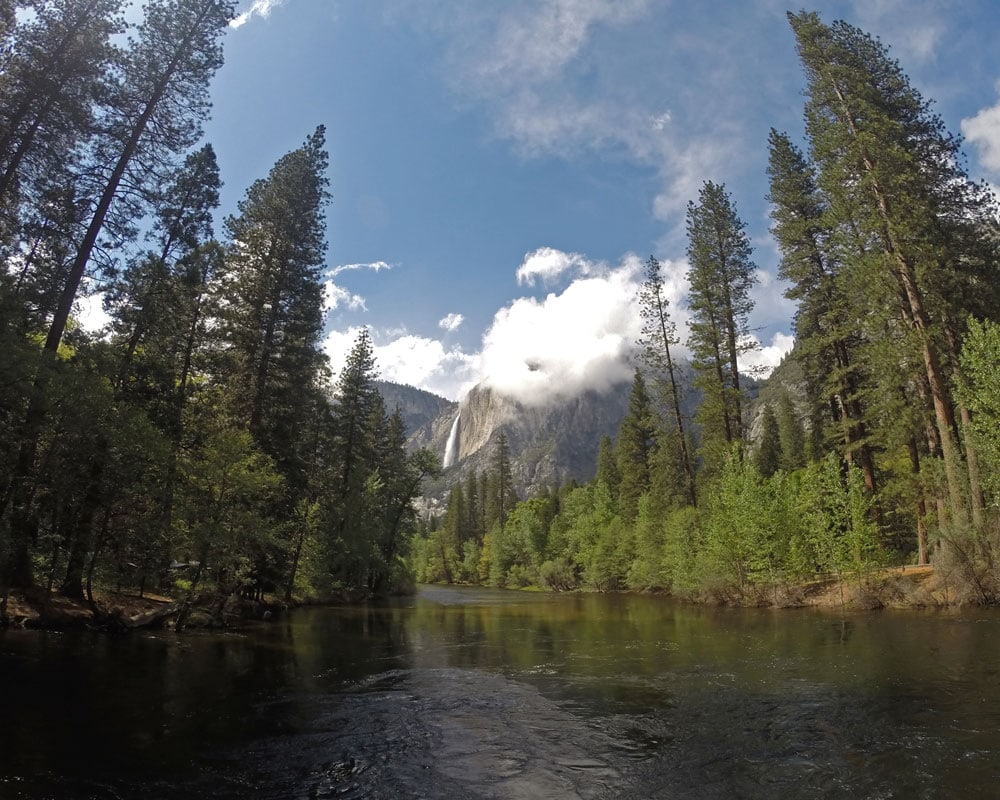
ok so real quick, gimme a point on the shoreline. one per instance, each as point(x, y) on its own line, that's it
point(909, 588)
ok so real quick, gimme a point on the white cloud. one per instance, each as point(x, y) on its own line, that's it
point(337, 345)
point(537, 44)
point(660, 121)
point(540, 350)
point(537, 351)
point(765, 358)
point(335, 297)
point(983, 130)
point(553, 77)
point(425, 362)
point(534, 350)
point(259, 8)
point(548, 264)
point(374, 266)
point(451, 322)
point(414, 360)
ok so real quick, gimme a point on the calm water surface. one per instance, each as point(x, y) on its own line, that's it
point(479, 694)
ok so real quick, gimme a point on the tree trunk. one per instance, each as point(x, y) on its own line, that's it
point(82, 542)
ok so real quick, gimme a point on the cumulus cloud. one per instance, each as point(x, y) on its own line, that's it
point(540, 350)
point(535, 350)
point(335, 297)
point(579, 339)
point(983, 130)
point(451, 322)
point(259, 8)
point(414, 360)
point(548, 264)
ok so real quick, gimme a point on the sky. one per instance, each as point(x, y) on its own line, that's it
point(500, 170)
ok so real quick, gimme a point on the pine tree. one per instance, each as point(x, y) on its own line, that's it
point(474, 508)
point(791, 434)
point(827, 332)
point(635, 446)
point(400, 475)
point(770, 454)
point(500, 493)
point(53, 79)
point(659, 335)
point(160, 291)
point(893, 174)
point(154, 114)
point(721, 276)
point(356, 412)
point(272, 316)
point(607, 466)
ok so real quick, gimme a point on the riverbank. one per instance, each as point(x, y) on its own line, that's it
point(120, 612)
point(895, 587)
point(906, 587)
point(909, 587)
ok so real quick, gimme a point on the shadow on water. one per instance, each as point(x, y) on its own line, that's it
point(466, 693)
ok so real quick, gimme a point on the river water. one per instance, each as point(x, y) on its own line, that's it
point(465, 693)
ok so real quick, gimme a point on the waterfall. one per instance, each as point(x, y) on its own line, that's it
point(451, 449)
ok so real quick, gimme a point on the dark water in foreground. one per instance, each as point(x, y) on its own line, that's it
point(477, 694)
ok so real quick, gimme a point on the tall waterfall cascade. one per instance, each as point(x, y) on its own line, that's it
point(451, 448)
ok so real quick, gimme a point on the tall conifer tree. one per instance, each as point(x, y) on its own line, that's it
point(659, 341)
point(272, 314)
point(890, 169)
point(721, 276)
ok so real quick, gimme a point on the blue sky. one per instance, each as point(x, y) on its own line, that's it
point(499, 170)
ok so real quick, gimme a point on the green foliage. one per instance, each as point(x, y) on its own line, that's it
point(838, 530)
point(791, 435)
point(980, 391)
point(222, 514)
point(741, 544)
point(635, 446)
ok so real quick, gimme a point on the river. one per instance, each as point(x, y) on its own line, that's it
point(467, 693)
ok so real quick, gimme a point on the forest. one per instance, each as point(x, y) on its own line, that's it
point(200, 447)
point(884, 450)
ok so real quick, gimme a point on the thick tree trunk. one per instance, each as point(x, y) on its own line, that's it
point(82, 540)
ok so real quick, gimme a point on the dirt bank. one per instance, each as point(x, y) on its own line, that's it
point(121, 612)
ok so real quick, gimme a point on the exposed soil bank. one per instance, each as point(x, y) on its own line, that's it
point(893, 587)
point(120, 612)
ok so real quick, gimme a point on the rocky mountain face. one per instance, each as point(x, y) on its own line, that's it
point(549, 444)
point(421, 410)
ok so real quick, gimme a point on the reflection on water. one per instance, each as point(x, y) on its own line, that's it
point(483, 694)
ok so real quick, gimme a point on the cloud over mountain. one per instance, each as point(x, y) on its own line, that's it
point(540, 349)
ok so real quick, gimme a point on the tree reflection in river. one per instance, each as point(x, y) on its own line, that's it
point(483, 694)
